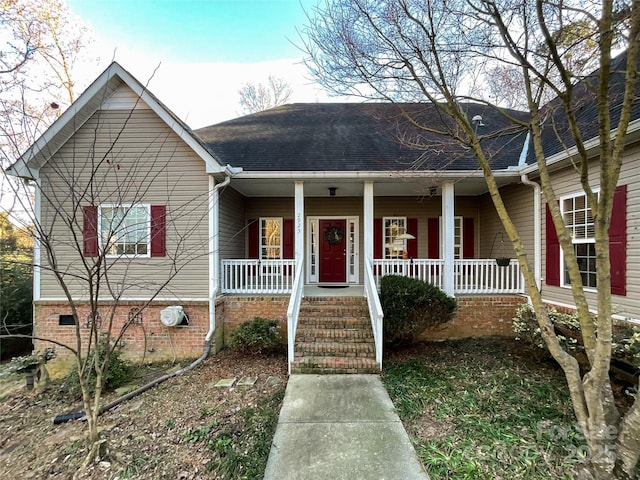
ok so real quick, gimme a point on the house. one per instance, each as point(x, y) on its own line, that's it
point(273, 213)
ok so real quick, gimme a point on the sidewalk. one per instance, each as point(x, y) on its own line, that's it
point(340, 427)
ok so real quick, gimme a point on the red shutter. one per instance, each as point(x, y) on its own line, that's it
point(553, 252)
point(287, 238)
point(158, 230)
point(90, 231)
point(253, 231)
point(618, 242)
point(412, 245)
point(377, 238)
point(468, 238)
point(433, 239)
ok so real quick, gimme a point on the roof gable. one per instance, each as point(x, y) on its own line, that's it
point(114, 88)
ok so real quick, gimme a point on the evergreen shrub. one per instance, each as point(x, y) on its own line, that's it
point(411, 306)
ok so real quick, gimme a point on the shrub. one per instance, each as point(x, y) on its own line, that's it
point(626, 340)
point(410, 306)
point(117, 373)
point(257, 336)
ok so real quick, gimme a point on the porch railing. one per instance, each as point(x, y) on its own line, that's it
point(471, 276)
point(375, 309)
point(428, 270)
point(485, 276)
point(257, 276)
point(293, 311)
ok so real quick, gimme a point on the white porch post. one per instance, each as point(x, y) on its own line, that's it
point(214, 255)
point(299, 222)
point(448, 204)
point(36, 239)
point(214, 239)
point(368, 221)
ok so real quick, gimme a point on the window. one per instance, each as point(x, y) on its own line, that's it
point(124, 230)
point(578, 214)
point(578, 218)
point(457, 237)
point(271, 238)
point(393, 228)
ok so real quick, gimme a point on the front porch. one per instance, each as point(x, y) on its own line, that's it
point(284, 277)
point(300, 246)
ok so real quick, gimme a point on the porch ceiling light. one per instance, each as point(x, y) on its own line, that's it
point(332, 191)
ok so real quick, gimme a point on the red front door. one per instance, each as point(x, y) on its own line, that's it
point(333, 251)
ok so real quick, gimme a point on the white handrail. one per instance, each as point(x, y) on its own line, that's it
point(293, 312)
point(375, 309)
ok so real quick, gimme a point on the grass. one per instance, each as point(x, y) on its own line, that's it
point(243, 450)
point(240, 449)
point(476, 411)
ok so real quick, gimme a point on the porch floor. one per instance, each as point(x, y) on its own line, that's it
point(333, 291)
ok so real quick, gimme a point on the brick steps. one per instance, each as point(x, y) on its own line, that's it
point(362, 349)
point(334, 336)
point(328, 323)
point(333, 365)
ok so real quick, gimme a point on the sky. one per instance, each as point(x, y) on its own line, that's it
point(204, 50)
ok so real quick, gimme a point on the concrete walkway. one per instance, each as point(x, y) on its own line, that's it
point(340, 427)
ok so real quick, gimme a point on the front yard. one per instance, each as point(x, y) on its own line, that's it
point(185, 429)
point(475, 409)
point(486, 408)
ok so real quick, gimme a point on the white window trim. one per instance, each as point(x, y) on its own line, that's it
point(147, 206)
point(456, 219)
point(561, 199)
point(384, 237)
point(312, 250)
point(280, 246)
point(355, 223)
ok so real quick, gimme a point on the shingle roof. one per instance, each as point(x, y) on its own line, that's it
point(355, 137)
point(556, 135)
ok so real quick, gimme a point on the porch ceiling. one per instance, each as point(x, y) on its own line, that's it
point(272, 186)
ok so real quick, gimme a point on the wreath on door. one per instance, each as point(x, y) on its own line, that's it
point(334, 235)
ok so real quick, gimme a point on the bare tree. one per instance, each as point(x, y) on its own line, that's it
point(256, 97)
point(43, 43)
point(446, 52)
point(102, 240)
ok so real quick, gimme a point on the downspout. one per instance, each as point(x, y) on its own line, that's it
point(213, 285)
point(537, 214)
point(214, 255)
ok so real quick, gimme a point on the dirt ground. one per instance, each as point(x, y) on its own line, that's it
point(145, 436)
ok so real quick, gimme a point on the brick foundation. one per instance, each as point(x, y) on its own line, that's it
point(147, 339)
point(239, 309)
point(478, 316)
point(152, 341)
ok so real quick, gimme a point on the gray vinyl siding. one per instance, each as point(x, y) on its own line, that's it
point(565, 183)
point(232, 224)
point(137, 159)
point(519, 201)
